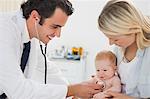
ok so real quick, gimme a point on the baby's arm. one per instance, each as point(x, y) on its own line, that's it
point(116, 85)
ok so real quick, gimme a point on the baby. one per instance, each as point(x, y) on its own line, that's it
point(105, 63)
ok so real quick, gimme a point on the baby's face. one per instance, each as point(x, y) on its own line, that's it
point(105, 69)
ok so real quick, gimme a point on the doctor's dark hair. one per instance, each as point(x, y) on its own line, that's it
point(45, 8)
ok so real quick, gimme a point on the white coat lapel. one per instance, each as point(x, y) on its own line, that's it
point(32, 61)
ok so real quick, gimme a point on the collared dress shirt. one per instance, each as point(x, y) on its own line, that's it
point(136, 73)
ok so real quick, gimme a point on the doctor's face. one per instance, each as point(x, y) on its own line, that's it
point(52, 26)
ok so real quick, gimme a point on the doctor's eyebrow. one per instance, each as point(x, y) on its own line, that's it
point(56, 26)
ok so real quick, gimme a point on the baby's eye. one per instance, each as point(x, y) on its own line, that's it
point(104, 70)
point(98, 70)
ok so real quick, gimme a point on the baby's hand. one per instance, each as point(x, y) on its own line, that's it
point(102, 83)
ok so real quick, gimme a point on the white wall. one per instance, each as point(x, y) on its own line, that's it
point(10, 5)
point(143, 6)
point(81, 29)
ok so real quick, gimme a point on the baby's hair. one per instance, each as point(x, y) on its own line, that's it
point(106, 55)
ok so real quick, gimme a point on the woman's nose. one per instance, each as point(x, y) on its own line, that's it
point(111, 42)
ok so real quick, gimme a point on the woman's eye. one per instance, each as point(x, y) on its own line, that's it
point(115, 40)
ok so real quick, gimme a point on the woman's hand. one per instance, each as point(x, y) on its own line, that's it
point(116, 95)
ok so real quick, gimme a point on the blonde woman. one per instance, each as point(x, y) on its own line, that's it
point(127, 28)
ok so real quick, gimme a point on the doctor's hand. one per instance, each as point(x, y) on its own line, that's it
point(83, 90)
point(116, 95)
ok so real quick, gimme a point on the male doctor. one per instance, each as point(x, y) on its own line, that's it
point(43, 20)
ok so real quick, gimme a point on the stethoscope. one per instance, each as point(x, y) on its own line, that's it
point(41, 48)
point(45, 60)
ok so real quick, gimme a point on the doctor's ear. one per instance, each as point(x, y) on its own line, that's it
point(35, 15)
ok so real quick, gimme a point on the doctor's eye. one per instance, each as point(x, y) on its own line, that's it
point(53, 27)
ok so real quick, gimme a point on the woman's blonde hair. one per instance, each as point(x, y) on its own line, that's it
point(120, 17)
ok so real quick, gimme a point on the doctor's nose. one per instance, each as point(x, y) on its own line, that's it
point(58, 32)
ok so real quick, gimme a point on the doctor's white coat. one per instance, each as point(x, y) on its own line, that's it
point(12, 80)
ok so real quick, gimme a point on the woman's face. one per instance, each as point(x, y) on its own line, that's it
point(122, 40)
